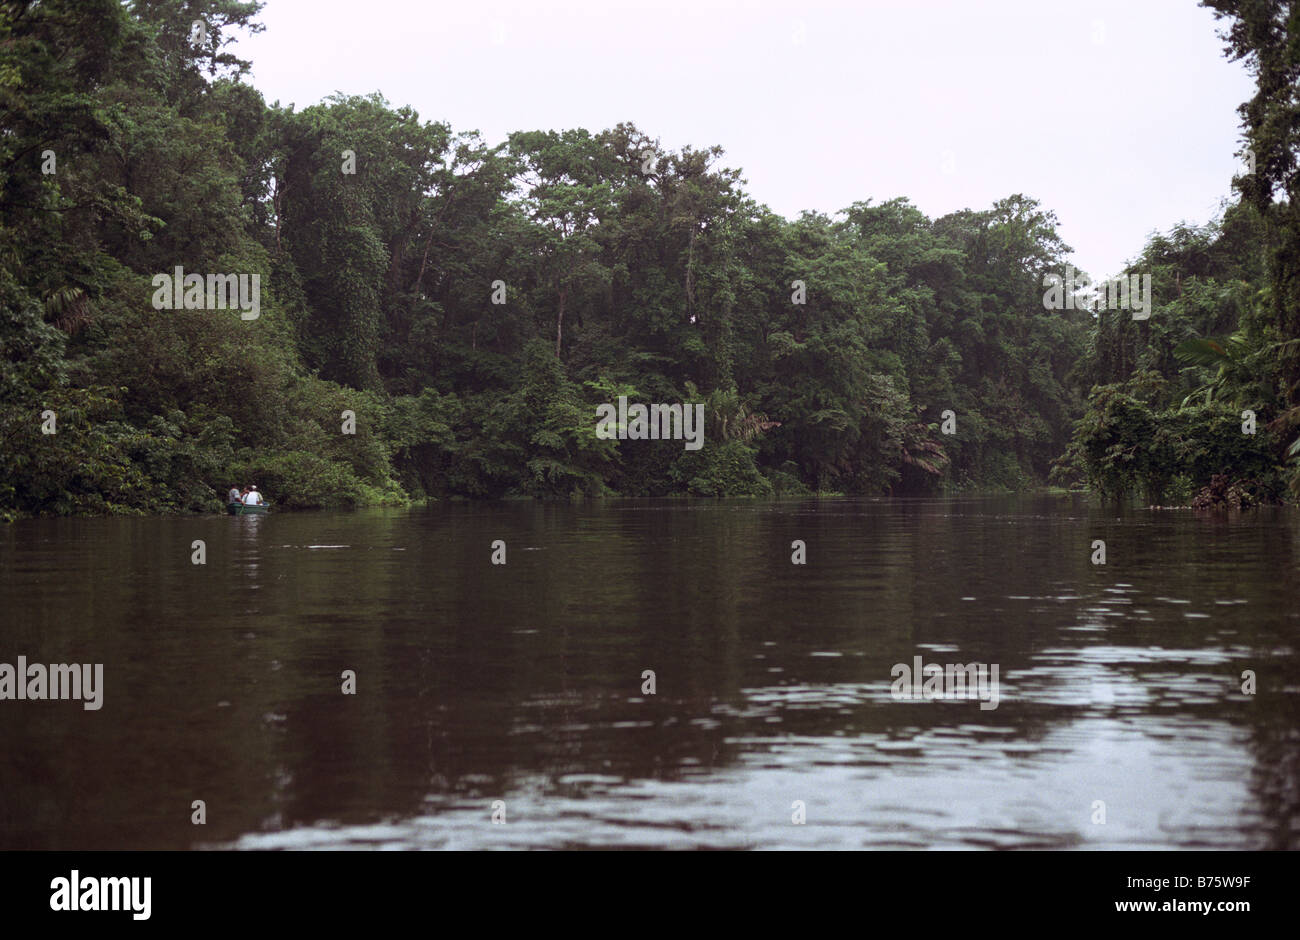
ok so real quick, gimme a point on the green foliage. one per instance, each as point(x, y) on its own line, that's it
point(724, 469)
point(85, 466)
point(1124, 445)
point(301, 480)
point(386, 244)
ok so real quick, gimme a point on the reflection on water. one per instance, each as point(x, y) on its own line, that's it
point(1119, 683)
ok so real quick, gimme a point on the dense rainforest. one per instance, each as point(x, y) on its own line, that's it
point(440, 316)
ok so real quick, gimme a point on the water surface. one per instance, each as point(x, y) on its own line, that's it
point(523, 683)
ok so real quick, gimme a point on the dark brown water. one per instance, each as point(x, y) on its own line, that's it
point(523, 683)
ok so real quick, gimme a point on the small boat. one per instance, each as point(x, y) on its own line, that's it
point(242, 509)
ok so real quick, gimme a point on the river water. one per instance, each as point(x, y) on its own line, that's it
point(1121, 719)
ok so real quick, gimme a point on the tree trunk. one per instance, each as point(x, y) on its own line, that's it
point(559, 324)
point(275, 202)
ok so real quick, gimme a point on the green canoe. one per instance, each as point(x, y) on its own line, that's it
point(239, 509)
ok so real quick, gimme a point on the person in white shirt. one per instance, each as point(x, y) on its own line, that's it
point(254, 498)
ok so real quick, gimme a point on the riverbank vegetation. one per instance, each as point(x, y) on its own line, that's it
point(469, 304)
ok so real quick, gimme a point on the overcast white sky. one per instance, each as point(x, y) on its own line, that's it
point(1119, 115)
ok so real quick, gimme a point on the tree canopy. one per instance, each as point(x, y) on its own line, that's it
point(471, 303)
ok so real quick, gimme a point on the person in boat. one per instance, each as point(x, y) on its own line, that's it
point(234, 496)
point(253, 497)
